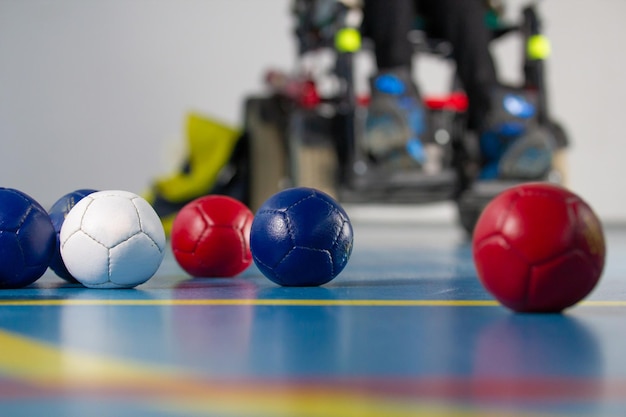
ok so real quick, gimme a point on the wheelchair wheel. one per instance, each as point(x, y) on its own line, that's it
point(472, 201)
point(468, 212)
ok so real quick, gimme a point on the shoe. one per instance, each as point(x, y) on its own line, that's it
point(528, 157)
point(395, 121)
point(514, 147)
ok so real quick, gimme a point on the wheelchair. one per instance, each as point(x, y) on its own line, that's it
point(321, 129)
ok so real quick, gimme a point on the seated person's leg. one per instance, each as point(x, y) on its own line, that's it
point(462, 23)
point(506, 150)
point(387, 24)
point(395, 116)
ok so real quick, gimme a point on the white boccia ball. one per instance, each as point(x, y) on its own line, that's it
point(112, 239)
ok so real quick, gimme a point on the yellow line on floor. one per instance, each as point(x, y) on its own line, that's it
point(247, 302)
point(276, 302)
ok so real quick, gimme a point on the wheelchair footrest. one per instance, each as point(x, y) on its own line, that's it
point(400, 187)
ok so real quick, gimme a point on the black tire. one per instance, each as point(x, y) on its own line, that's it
point(468, 213)
point(561, 138)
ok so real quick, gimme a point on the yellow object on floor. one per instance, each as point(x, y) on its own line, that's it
point(211, 144)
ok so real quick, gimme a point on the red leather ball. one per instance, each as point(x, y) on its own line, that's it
point(211, 237)
point(538, 247)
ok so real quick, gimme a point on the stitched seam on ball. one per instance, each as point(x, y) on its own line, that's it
point(334, 245)
point(329, 205)
point(315, 195)
point(292, 236)
point(94, 238)
point(17, 232)
point(527, 281)
point(273, 211)
point(332, 208)
point(301, 200)
point(205, 232)
point(285, 256)
point(542, 261)
point(245, 250)
point(25, 214)
point(569, 201)
point(102, 244)
point(80, 226)
point(109, 266)
point(287, 220)
point(23, 219)
point(336, 239)
point(132, 200)
point(269, 211)
point(106, 283)
point(514, 249)
point(506, 213)
point(267, 267)
point(152, 240)
point(221, 226)
point(332, 269)
point(82, 216)
point(242, 246)
point(21, 222)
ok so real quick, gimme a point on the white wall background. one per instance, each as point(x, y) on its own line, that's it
point(93, 93)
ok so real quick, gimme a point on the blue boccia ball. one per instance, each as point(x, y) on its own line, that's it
point(301, 237)
point(26, 239)
point(57, 213)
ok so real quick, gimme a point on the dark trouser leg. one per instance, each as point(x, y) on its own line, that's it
point(387, 23)
point(462, 22)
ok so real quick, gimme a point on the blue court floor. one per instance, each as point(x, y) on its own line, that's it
point(405, 330)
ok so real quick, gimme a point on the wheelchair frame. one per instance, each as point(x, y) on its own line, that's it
point(322, 134)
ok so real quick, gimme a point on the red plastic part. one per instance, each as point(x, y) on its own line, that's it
point(456, 102)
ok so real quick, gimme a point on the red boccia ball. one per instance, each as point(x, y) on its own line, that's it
point(211, 237)
point(538, 247)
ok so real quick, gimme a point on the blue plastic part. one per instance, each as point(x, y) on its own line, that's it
point(510, 129)
point(415, 149)
point(389, 84)
point(517, 105)
point(491, 146)
point(489, 171)
point(415, 114)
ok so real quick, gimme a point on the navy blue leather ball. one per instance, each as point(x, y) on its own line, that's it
point(26, 239)
point(301, 237)
point(57, 213)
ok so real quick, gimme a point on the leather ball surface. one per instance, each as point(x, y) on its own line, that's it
point(211, 237)
point(26, 239)
point(538, 247)
point(112, 239)
point(57, 213)
point(301, 237)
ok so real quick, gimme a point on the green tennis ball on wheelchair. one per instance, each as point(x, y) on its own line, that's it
point(57, 213)
point(348, 40)
point(301, 237)
point(26, 239)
